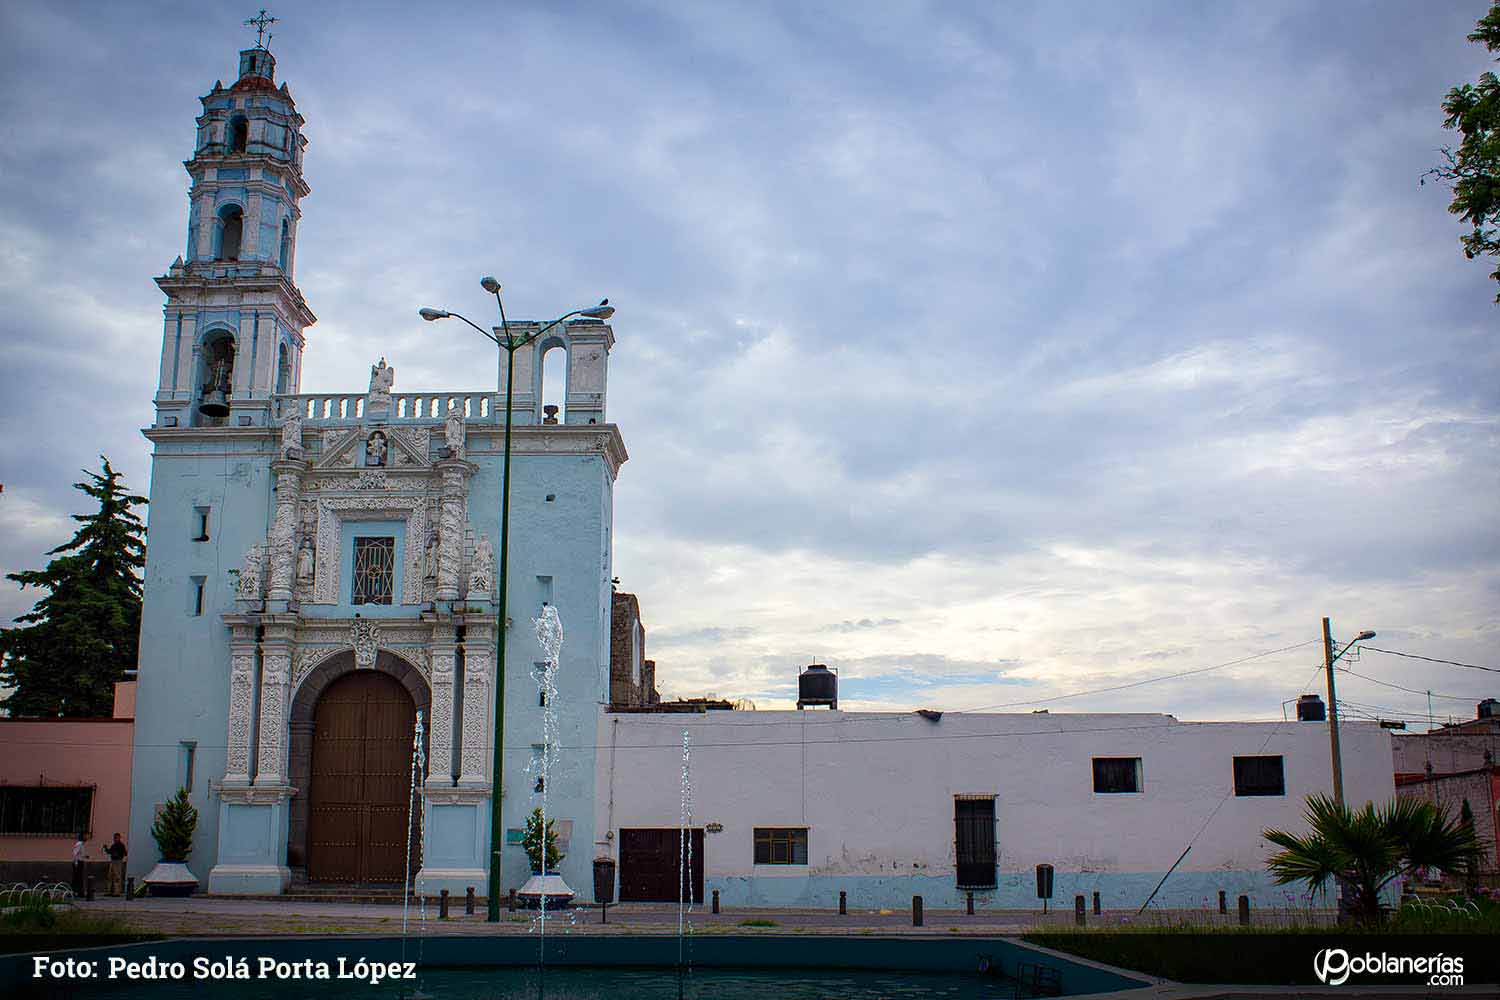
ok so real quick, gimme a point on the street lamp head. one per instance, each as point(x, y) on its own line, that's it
point(602, 311)
point(489, 284)
point(1366, 634)
point(430, 314)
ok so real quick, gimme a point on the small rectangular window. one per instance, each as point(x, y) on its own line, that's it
point(200, 524)
point(188, 750)
point(374, 570)
point(974, 841)
point(780, 845)
point(198, 583)
point(1259, 775)
point(1114, 775)
point(46, 812)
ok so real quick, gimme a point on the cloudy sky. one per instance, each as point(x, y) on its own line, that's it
point(988, 352)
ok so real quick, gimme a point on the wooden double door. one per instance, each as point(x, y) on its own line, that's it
point(359, 799)
point(651, 868)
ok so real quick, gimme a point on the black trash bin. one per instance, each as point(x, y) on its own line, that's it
point(604, 880)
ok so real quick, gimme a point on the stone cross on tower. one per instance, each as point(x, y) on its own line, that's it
point(260, 23)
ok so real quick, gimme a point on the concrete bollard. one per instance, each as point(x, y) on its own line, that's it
point(716, 900)
point(443, 905)
point(969, 902)
point(1223, 901)
point(469, 901)
point(916, 911)
point(511, 905)
point(843, 903)
point(1078, 910)
point(129, 888)
point(1244, 911)
point(1097, 909)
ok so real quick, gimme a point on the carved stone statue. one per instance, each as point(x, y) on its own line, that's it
point(375, 449)
point(249, 585)
point(482, 571)
point(430, 558)
point(305, 559)
point(453, 433)
point(291, 433)
point(382, 378)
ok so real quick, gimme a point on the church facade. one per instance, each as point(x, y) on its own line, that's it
point(321, 586)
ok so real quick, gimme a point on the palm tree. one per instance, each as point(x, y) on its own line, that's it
point(1368, 848)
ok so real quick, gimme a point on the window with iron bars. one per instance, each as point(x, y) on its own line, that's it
point(374, 570)
point(780, 845)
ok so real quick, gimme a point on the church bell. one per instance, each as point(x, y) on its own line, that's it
point(215, 400)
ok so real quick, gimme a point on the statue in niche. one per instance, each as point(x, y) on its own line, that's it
point(430, 558)
point(305, 559)
point(249, 585)
point(453, 433)
point(382, 378)
point(482, 572)
point(291, 433)
point(375, 449)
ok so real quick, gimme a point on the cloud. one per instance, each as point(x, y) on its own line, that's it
point(1062, 349)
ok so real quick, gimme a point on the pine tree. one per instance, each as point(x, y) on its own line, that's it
point(64, 656)
point(174, 827)
point(532, 842)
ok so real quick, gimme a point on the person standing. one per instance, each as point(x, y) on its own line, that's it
point(80, 852)
point(117, 852)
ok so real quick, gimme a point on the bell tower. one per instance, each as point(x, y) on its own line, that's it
point(233, 335)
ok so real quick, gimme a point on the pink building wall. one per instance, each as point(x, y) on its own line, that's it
point(74, 752)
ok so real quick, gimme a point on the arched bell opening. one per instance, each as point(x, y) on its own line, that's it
point(215, 377)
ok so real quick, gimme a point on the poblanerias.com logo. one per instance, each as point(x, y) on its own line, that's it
point(1334, 966)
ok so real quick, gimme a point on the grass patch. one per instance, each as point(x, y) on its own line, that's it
point(38, 926)
point(759, 923)
point(1264, 954)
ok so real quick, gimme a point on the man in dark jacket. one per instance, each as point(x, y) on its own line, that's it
point(117, 853)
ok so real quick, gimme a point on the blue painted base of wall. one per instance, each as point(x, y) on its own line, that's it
point(249, 880)
point(252, 847)
point(1014, 891)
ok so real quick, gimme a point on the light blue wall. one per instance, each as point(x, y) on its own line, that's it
point(565, 539)
point(184, 660)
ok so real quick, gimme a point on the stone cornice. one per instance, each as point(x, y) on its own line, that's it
point(554, 439)
point(189, 282)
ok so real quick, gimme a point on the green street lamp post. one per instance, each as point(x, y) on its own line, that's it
point(1329, 659)
point(509, 343)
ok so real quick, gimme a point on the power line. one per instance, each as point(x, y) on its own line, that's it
point(1133, 684)
point(1398, 687)
point(1430, 659)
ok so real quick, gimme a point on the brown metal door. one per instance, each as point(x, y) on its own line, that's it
point(651, 863)
point(360, 792)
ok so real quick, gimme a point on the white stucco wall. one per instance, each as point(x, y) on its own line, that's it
point(876, 793)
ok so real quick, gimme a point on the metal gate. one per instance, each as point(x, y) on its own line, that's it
point(360, 788)
point(651, 865)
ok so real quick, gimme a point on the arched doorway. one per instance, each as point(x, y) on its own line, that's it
point(359, 790)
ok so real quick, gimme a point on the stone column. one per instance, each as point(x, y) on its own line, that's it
point(440, 734)
point(452, 519)
point(241, 703)
point(283, 536)
point(479, 666)
point(275, 702)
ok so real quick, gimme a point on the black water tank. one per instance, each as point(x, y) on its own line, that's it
point(1487, 709)
point(1310, 708)
point(818, 685)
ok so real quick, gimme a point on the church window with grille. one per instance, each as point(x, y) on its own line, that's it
point(374, 570)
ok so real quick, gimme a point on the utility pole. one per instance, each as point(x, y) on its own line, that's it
point(1333, 717)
